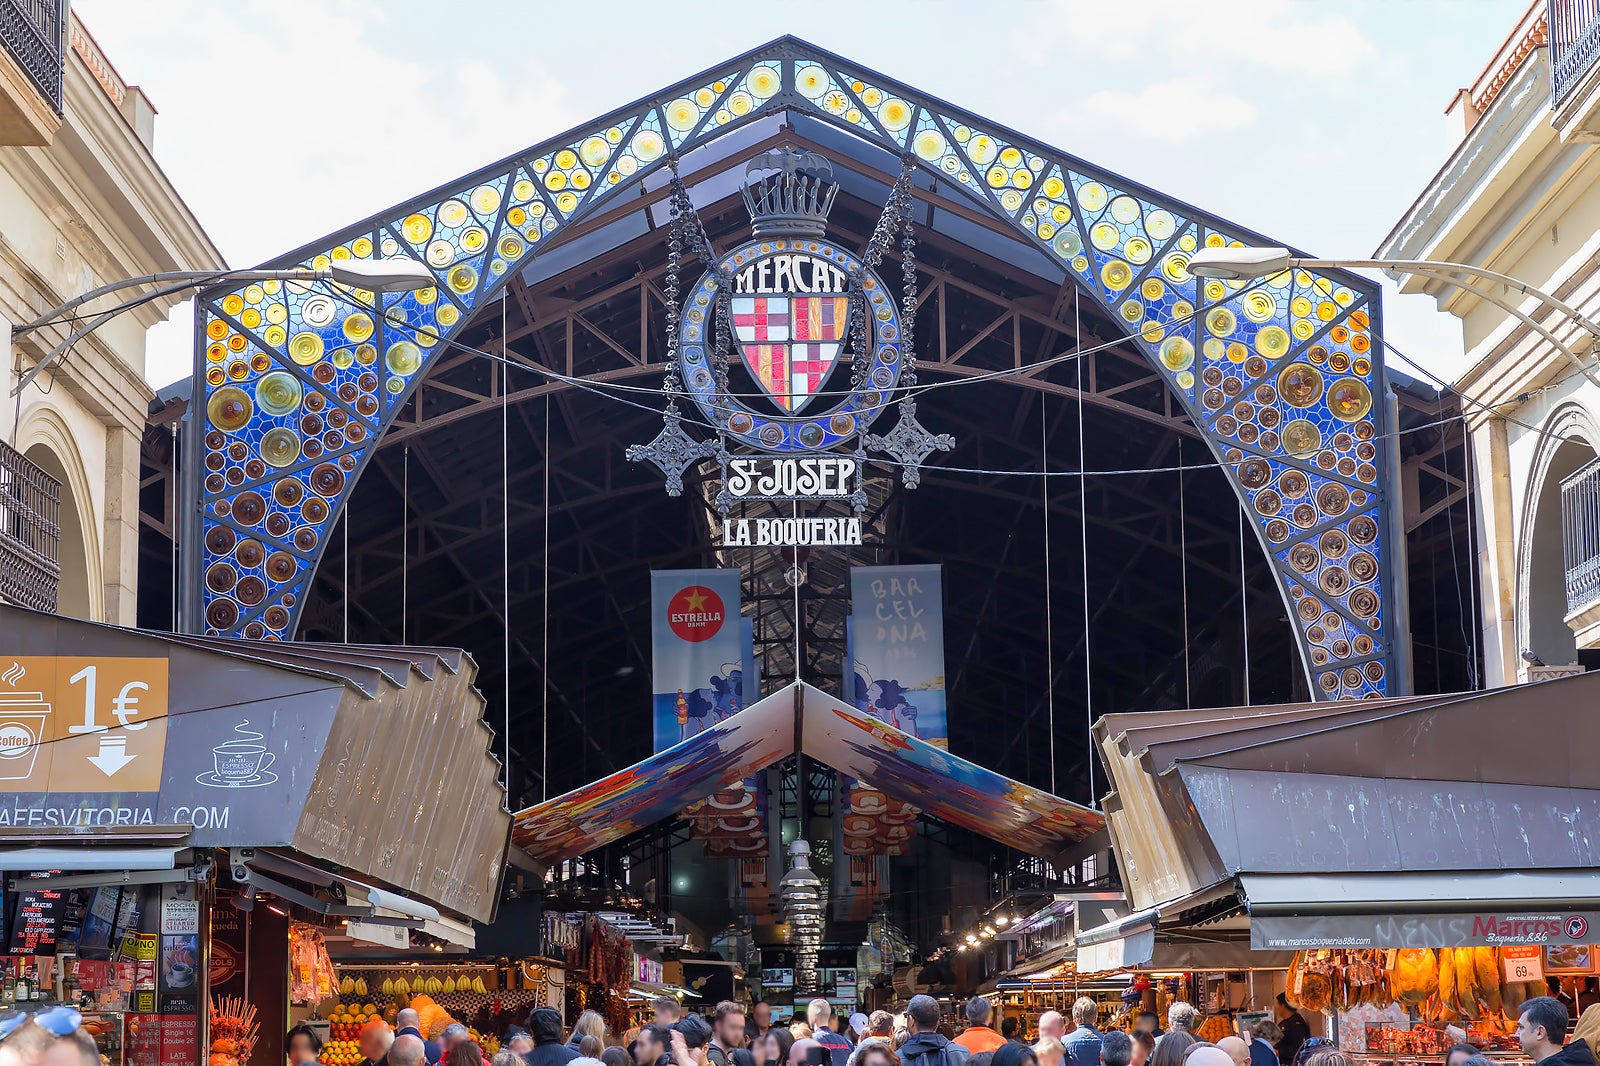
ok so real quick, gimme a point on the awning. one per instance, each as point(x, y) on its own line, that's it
point(1118, 945)
point(1392, 910)
point(902, 766)
point(1495, 780)
point(374, 760)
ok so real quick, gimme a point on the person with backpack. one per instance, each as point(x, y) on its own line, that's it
point(927, 1046)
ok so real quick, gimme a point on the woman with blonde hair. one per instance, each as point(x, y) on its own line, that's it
point(590, 1023)
point(1050, 1051)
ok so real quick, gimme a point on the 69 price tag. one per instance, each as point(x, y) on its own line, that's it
point(1523, 963)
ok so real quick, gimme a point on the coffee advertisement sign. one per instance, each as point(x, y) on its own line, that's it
point(84, 741)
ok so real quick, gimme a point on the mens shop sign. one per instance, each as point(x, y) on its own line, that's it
point(1481, 929)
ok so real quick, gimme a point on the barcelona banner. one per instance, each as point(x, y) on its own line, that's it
point(698, 651)
point(897, 648)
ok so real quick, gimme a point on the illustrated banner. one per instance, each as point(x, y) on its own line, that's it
point(897, 639)
point(697, 649)
point(896, 652)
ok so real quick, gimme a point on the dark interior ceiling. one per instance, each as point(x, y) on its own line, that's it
point(1158, 553)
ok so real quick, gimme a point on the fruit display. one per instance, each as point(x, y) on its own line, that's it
point(1467, 984)
point(345, 1023)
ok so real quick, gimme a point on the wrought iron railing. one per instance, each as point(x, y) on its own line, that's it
point(30, 532)
point(1574, 42)
point(1580, 535)
point(35, 33)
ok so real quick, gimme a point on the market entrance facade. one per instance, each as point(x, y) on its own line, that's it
point(1159, 491)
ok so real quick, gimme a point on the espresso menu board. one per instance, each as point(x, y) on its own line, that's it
point(35, 924)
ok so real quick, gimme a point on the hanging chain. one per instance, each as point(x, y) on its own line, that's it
point(908, 275)
point(671, 385)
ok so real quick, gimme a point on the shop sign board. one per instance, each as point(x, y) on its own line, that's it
point(84, 742)
point(1465, 929)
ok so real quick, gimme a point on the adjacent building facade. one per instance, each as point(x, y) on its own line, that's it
point(83, 202)
point(1520, 195)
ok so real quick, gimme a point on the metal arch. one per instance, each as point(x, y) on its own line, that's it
point(1121, 243)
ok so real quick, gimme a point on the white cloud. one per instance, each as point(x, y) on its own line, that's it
point(1168, 111)
point(304, 117)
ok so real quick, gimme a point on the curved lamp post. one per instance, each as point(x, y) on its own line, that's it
point(375, 275)
point(1249, 264)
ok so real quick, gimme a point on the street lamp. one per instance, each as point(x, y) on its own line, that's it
point(374, 275)
point(1249, 264)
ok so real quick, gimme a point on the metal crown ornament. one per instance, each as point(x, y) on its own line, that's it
point(790, 345)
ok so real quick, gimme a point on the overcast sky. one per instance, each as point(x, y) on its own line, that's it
point(1318, 124)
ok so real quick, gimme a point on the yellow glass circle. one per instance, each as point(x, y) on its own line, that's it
point(1138, 250)
point(448, 314)
point(764, 82)
point(1054, 186)
point(997, 177)
point(1182, 311)
point(232, 303)
point(253, 294)
point(1131, 310)
point(426, 296)
point(217, 352)
point(567, 202)
point(237, 342)
point(358, 327)
point(216, 329)
point(343, 358)
point(1301, 438)
point(1214, 291)
point(463, 278)
point(1273, 342)
point(366, 354)
point(403, 358)
point(1117, 275)
point(1349, 399)
point(1125, 209)
point(929, 144)
point(1153, 289)
point(580, 179)
point(1176, 267)
point(452, 213)
point(1214, 348)
point(305, 348)
point(511, 246)
point(1159, 224)
point(1185, 379)
point(555, 181)
point(1177, 353)
point(1221, 322)
point(1300, 384)
point(741, 103)
point(473, 239)
point(1104, 236)
point(275, 335)
point(594, 151)
point(440, 253)
point(1258, 306)
point(1152, 330)
point(982, 150)
point(279, 447)
point(361, 247)
point(229, 409)
point(250, 318)
point(485, 199)
point(895, 114)
point(1303, 329)
point(1237, 352)
point(278, 393)
point(682, 114)
point(1092, 196)
point(522, 191)
point(1327, 310)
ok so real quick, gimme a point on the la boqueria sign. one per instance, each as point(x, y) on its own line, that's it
point(1480, 929)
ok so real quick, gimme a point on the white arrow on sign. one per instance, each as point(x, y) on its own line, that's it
point(113, 755)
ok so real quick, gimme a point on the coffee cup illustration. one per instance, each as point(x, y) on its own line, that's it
point(241, 761)
point(22, 726)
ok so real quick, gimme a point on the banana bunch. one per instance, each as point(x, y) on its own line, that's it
point(388, 986)
point(402, 987)
point(347, 987)
point(478, 986)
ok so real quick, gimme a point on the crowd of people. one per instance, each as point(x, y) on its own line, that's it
point(731, 1035)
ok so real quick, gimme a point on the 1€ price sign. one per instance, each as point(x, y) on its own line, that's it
point(74, 724)
point(1523, 963)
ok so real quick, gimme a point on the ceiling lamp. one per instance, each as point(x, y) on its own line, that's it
point(805, 910)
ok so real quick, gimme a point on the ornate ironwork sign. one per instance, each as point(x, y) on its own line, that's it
point(791, 345)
